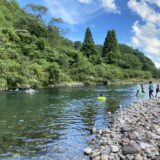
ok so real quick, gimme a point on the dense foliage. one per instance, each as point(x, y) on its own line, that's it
point(33, 53)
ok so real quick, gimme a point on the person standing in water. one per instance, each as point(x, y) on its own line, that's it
point(140, 90)
point(157, 89)
point(151, 88)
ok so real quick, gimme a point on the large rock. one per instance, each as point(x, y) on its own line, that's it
point(135, 145)
point(133, 135)
point(96, 158)
point(129, 149)
point(104, 157)
point(125, 129)
point(129, 157)
point(100, 132)
point(152, 153)
point(121, 156)
point(156, 128)
point(104, 143)
point(138, 157)
point(145, 145)
point(95, 153)
point(93, 141)
point(94, 130)
point(114, 149)
point(151, 156)
point(87, 151)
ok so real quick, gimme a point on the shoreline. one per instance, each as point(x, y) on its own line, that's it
point(80, 84)
point(133, 134)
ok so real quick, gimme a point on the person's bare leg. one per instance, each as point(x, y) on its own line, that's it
point(156, 94)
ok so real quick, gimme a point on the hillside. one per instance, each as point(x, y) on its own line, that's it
point(33, 53)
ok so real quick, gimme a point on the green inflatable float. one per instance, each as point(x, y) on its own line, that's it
point(101, 99)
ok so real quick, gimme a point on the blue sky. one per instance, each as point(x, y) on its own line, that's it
point(135, 21)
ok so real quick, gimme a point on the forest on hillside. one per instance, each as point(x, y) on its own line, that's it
point(34, 53)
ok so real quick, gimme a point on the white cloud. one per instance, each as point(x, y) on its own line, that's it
point(157, 2)
point(144, 10)
point(79, 11)
point(110, 6)
point(85, 1)
point(147, 34)
point(147, 37)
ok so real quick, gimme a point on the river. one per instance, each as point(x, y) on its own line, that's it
point(53, 123)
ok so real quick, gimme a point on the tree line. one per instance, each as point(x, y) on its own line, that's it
point(34, 53)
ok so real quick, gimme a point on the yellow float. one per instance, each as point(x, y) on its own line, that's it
point(102, 99)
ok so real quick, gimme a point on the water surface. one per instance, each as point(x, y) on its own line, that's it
point(53, 124)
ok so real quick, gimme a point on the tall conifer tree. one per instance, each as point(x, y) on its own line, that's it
point(110, 50)
point(88, 48)
point(88, 43)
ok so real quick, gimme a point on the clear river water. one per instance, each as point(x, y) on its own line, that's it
point(53, 123)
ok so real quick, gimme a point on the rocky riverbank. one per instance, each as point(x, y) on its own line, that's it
point(133, 134)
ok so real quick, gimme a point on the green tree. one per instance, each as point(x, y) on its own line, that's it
point(110, 50)
point(37, 10)
point(32, 25)
point(34, 53)
point(88, 44)
point(77, 45)
point(88, 48)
